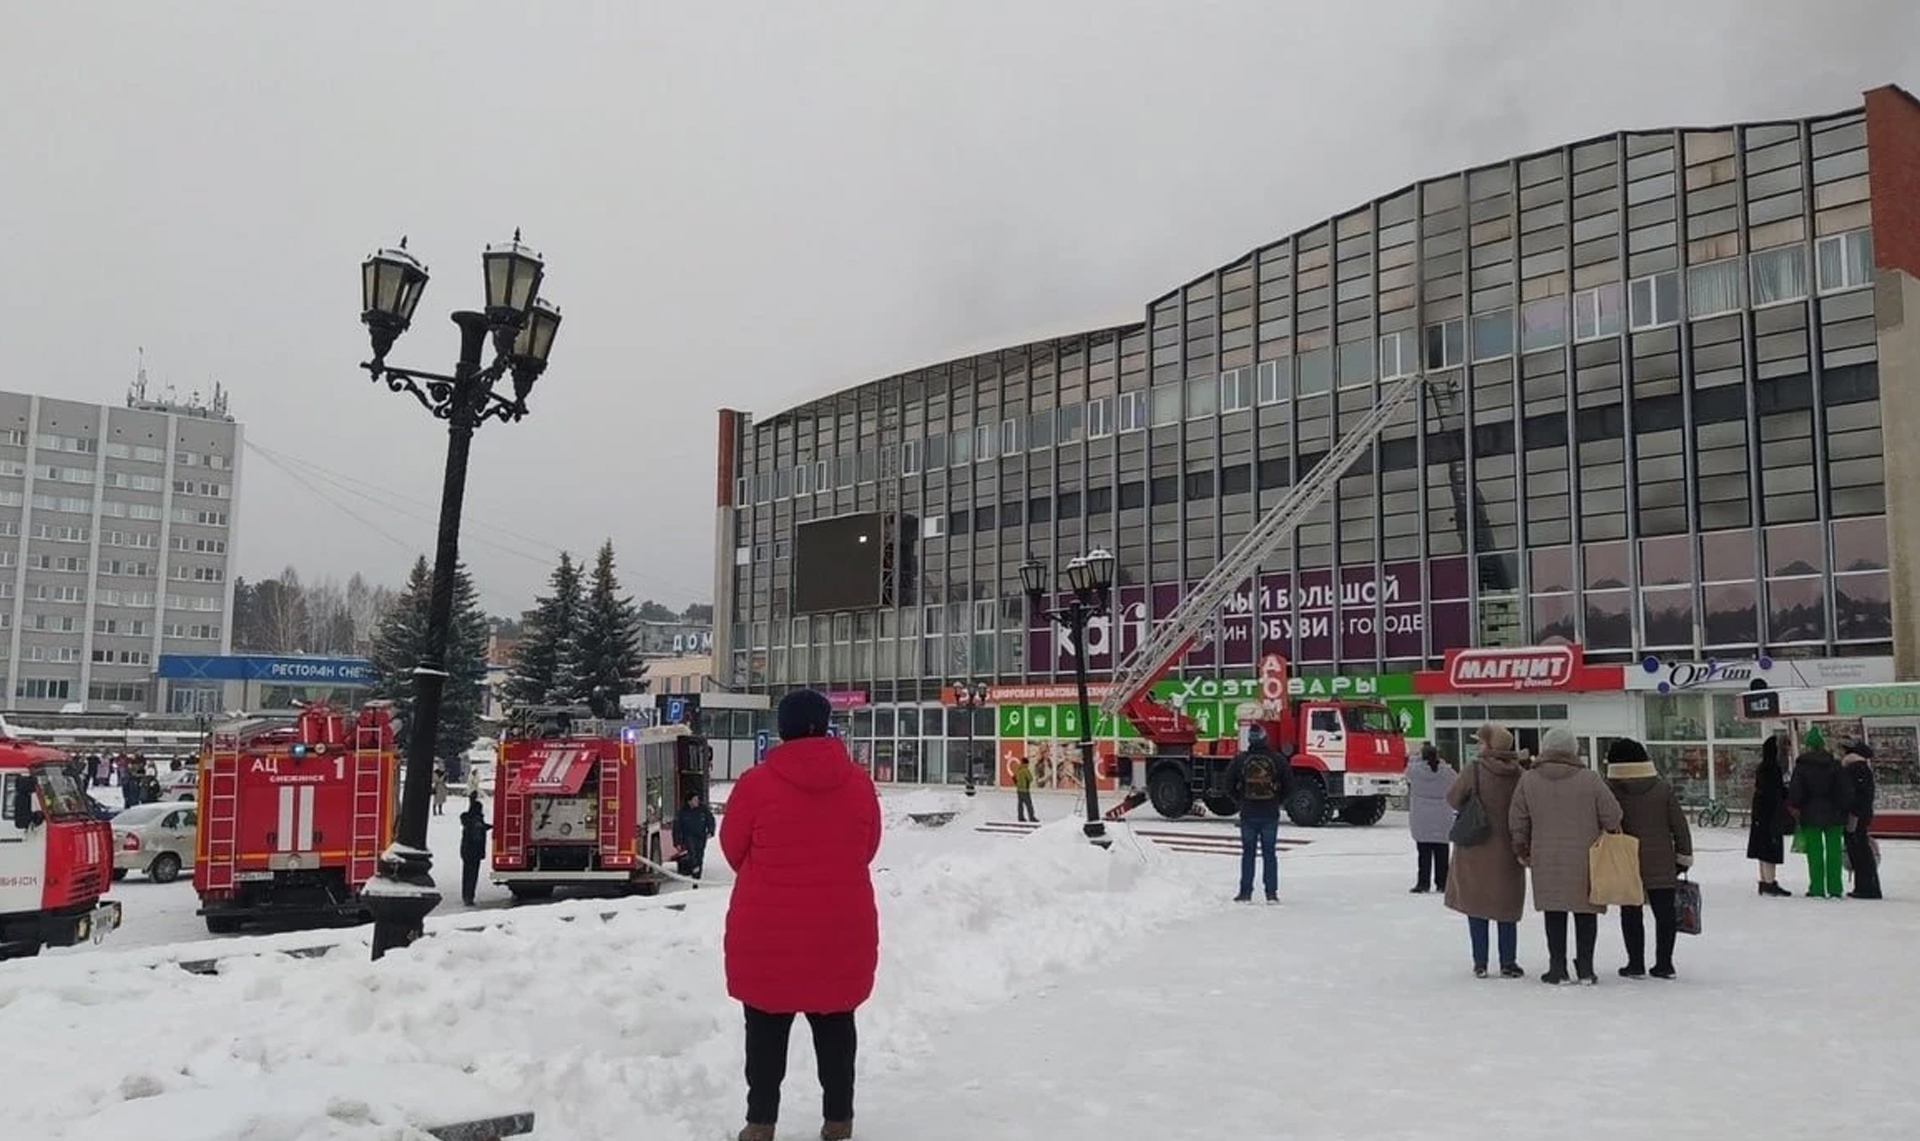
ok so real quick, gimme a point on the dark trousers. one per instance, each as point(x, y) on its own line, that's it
point(1259, 837)
point(1024, 806)
point(1666, 926)
point(1509, 934)
point(834, 1046)
point(469, 880)
point(1586, 931)
point(694, 860)
point(1433, 866)
point(1866, 874)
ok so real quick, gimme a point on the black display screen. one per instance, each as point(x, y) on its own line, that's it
point(837, 564)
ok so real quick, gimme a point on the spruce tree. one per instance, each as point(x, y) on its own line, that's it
point(400, 641)
point(609, 659)
point(546, 666)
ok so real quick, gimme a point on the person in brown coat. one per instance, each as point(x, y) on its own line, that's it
point(1559, 810)
point(1485, 882)
point(1650, 813)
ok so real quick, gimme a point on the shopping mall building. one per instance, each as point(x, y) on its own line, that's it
point(1664, 366)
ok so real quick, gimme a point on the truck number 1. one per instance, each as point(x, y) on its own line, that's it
point(339, 768)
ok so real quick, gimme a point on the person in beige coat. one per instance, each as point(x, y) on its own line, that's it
point(1485, 882)
point(1559, 810)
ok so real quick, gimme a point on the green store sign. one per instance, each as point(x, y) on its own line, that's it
point(1214, 704)
point(1877, 701)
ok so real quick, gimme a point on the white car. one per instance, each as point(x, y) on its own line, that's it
point(178, 784)
point(157, 839)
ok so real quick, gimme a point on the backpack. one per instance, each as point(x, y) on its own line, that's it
point(1260, 778)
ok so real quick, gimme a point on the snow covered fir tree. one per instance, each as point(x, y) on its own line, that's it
point(546, 667)
point(582, 644)
point(401, 641)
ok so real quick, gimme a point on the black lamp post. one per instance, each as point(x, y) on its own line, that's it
point(522, 325)
point(1090, 577)
point(969, 696)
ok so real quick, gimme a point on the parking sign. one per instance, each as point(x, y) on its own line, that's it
point(762, 741)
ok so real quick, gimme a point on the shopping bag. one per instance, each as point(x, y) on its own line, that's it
point(1613, 872)
point(1686, 906)
point(1800, 840)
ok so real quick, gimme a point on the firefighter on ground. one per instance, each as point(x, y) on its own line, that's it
point(473, 848)
point(1023, 791)
point(693, 824)
point(1257, 781)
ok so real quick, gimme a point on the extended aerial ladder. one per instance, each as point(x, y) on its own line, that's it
point(1129, 693)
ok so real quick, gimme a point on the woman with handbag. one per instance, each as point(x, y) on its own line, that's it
point(1485, 882)
point(1429, 816)
point(1651, 814)
point(1769, 821)
point(1559, 810)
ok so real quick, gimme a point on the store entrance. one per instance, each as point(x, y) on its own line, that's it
point(1455, 725)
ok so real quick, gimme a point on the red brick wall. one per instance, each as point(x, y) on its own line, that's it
point(729, 440)
point(1893, 177)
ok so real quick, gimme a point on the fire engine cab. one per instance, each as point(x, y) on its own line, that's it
point(586, 803)
point(294, 816)
point(56, 857)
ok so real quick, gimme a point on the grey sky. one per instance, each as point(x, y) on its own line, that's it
point(745, 204)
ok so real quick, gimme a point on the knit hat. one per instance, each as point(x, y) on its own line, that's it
point(1814, 740)
point(804, 713)
point(1627, 759)
point(1497, 738)
point(1859, 749)
point(1559, 745)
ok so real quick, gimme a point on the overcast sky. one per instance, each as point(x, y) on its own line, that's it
point(747, 204)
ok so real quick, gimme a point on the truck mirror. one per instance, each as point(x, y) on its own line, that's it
point(23, 813)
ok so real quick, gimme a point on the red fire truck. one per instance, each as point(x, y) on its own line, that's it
point(56, 856)
point(1347, 757)
point(294, 816)
point(584, 803)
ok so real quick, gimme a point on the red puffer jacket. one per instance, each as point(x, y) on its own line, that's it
point(803, 934)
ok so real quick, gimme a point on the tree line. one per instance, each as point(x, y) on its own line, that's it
point(581, 644)
point(284, 615)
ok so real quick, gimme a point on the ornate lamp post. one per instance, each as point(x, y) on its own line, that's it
point(969, 696)
point(522, 326)
point(1090, 578)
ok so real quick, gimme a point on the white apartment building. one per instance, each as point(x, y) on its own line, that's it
point(116, 545)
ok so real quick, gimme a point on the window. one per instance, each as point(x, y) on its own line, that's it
point(986, 442)
point(1445, 345)
point(43, 689)
point(1013, 436)
point(1316, 371)
point(933, 526)
point(802, 481)
point(149, 455)
point(1493, 335)
point(1396, 355)
point(1596, 312)
point(1653, 301)
point(1779, 275)
point(1846, 261)
point(1274, 380)
point(910, 458)
point(1713, 287)
point(1203, 397)
point(1354, 363)
point(933, 453)
point(61, 533)
point(1236, 390)
point(1068, 422)
point(1100, 418)
point(1543, 324)
point(1040, 429)
point(1133, 411)
point(1165, 407)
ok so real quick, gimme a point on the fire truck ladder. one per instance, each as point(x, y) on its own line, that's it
point(222, 809)
point(612, 852)
point(1169, 639)
point(369, 822)
point(511, 822)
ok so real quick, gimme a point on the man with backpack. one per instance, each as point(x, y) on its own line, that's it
point(1257, 781)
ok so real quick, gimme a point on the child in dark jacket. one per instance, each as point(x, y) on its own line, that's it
point(692, 826)
point(1650, 813)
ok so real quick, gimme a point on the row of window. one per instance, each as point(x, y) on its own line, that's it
point(68, 563)
point(89, 445)
point(1844, 262)
point(108, 657)
point(131, 693)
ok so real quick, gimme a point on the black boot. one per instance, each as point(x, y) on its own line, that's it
point(1633, 971)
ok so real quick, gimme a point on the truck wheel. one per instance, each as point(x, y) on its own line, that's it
point(1170, 794)
point(164, 869)
point(1307, 801)
point(223, 924)
point(1220, 804)
point(1363, 811)
point(119, 874)
point(522, 892)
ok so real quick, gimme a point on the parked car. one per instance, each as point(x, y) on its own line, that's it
point(178, 784)
point(154, 838)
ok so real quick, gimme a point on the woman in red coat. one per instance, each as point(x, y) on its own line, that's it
point(803, 934)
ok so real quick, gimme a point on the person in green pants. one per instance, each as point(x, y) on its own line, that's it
point(1820, 796)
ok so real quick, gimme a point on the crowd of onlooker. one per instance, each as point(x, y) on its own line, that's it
point(140, 780)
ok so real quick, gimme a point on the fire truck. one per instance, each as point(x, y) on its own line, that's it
point(56, 855)
point(585, 803)
point(294, 816)
point(1346, 757)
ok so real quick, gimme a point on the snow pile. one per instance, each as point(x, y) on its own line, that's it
point(619, 1028)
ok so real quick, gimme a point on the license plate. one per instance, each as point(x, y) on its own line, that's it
point(252, 877)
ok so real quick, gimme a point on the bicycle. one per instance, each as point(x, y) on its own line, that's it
point(1713, 814)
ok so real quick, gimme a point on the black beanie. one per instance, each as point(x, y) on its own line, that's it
point(804, 713)
point(1626, 751)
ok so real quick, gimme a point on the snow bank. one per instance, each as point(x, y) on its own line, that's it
point(606, 1029)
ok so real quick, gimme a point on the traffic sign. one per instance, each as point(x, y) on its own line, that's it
point(762, 741)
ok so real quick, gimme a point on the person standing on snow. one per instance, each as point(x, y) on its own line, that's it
point(1857, 764)
point(439, 790)
point(691, 827)
point(803, 931)
point(1255, 782)
point(473, 849)
point(1023, 792)
point(1485, 881)
point(1559, 810)
point(1429, 817)
point(1769, 821)
point(1650, 813)
point(1821, 797)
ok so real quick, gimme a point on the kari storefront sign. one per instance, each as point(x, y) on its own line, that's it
point(1520, 669)
point(1715, 674)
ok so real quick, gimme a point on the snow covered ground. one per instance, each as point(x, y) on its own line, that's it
point(1031, 987)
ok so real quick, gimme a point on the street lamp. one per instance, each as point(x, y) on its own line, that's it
point(969, 696)
point(522, 325)
point(1090, 578)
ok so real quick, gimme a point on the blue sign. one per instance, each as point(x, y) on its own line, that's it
point(295, 670)
point(762, 741)
point(833, 731)
point(676, 710)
